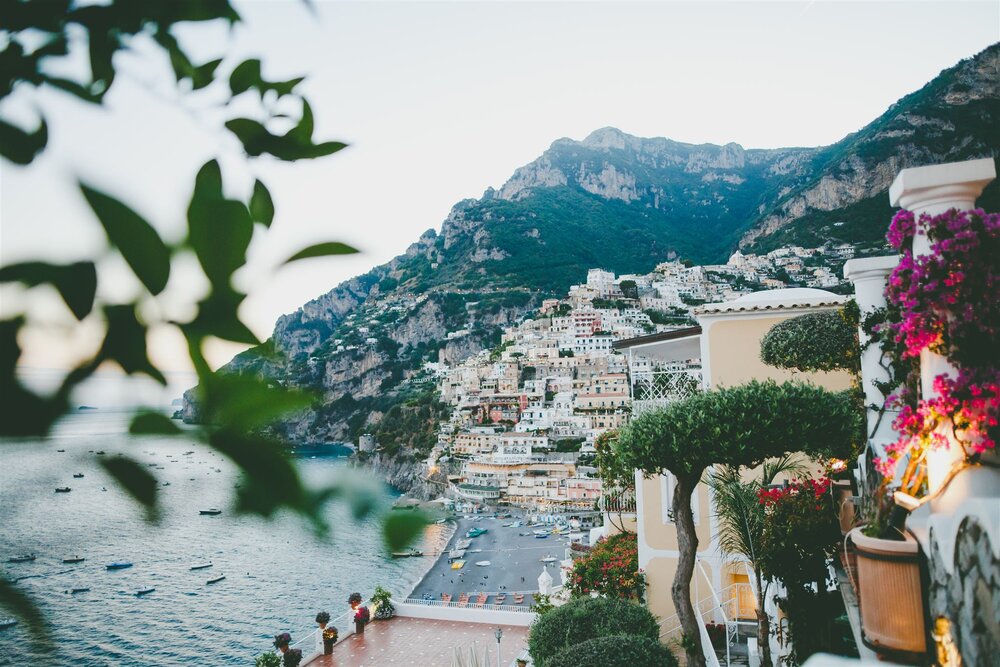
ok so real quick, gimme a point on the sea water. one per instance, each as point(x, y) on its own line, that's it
point(279, 574)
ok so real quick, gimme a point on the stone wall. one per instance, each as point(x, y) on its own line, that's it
point(968, 594)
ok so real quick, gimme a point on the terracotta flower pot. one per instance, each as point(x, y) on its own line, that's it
point(890, 594)
point(359, 627)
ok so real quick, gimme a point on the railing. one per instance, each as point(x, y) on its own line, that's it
point(311, 644)
point(525, 608)
point(617, 501)
point(654, 389)
point(734, 602)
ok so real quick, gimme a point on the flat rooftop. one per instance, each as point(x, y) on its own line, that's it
point(424, 642)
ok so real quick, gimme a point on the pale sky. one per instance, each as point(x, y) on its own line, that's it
point(440, 101)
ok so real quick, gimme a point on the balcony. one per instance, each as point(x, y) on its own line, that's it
point(618, 501)
point(658, 388)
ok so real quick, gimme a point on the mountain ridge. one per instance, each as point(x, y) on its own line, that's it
point(612, 200)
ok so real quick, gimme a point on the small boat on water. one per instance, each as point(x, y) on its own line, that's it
point(118, 566)
point(216, 580)
point(61, 451)
point(456, 554)
point(7, 623)
point(63, 489)
point(549, 559)
point(26, 558)
point(202, 566)
point(74, 591)
point(463, 544)
point(483, 563)
point(542, 536)
point(144, 591)
point(407, 554)
point(210, 512)
point(100, 452)
point(476, 532)
point(73, 559)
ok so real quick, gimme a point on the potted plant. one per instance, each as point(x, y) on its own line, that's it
point(382, 601)
point(939, 303)
point(290, 657)
point(269, 659)
point(838, 471)
point(328, 632)
point(361, 613)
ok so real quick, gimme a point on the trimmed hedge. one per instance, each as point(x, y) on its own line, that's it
point(615, 651)
point(815, 342)
point(583, 619)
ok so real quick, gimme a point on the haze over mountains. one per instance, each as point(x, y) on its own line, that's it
point(618, 202)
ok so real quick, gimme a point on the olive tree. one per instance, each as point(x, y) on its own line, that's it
point(737, 426)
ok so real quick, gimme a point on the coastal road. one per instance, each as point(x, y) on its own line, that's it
point(512, 557)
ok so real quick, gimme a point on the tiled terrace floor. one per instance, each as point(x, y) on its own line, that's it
point(421, 641)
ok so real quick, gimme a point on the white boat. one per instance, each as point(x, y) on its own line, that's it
point(483, 563)
point(456, 553)
point(540, 532)
point(549, 559)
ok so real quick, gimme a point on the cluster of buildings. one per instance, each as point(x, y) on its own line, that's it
point(526, 415)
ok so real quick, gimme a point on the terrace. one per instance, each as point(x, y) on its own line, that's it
point(427, 635)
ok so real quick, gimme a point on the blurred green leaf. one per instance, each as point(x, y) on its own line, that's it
point(400, 529)
point(246, 403)
point(153, 423)
point(257, 140)
point(138, 242)
point(322, 250)
point(77, 282)
point(361, 491)
point(21, 147)
point(135, 479)
point(261, 206)
point(19, 604)
point(247, 75)
point(219, 229)
point(125, 342)
point(218, 315)
point(22, 412)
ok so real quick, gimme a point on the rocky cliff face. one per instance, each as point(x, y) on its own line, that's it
point(615, 201)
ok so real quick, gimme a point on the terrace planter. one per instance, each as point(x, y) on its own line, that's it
point(890, 594)
point(845, 505)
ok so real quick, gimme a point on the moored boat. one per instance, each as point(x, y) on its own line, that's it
point(73, 559)
point(78, 475)
point(144, 591)
point(201, 566)
point(216, 580)
point(63, 489)
point(7, 623)
point(210, 512)
point(118, 566)
point(26, 558)
point(74, 591)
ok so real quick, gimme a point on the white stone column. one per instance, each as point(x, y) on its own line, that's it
point(869, 277)
point(934, 190)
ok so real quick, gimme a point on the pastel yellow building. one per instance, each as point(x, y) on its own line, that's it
point(722, 351)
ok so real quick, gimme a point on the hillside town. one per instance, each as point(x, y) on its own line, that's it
point(526, 415)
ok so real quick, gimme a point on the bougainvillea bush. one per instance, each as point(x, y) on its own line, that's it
point(611, 568)
point(947, 302)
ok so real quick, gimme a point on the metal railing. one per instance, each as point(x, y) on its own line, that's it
point(471, 604)
point(617, 501)
point(311, 644)
point(657, 388)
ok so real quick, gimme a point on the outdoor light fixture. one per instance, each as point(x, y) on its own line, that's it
point(498, 633)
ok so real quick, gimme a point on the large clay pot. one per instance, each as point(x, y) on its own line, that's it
point(890, 594)
point(359, 627)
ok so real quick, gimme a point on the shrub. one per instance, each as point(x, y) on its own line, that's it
point(616, 651)
point(610, 568)
point(815, 342)
point(269, 659)
point(587, 618)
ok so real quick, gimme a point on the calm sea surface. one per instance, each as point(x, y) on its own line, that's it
point(278, 574)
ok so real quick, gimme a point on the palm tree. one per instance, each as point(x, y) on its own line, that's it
point(741, 524)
